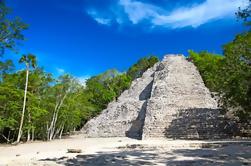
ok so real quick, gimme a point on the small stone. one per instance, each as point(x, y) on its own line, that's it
point(74, 150)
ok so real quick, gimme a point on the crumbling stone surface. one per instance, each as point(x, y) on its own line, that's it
point(177, 88)
point(169, 100)
point(124, 117)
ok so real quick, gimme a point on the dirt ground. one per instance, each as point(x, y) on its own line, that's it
point(126, 151)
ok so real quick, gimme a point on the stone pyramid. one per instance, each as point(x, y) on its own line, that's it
point(170, 100)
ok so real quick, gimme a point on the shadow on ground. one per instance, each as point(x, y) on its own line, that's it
point(217, 154)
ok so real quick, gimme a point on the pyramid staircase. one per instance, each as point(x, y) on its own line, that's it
point(170, 100)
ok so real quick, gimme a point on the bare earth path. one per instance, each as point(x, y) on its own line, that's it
point(125, 151)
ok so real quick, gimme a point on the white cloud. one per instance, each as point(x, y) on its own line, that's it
point(138, 11)
point(60, 71)
point(184, 16)
point(200, 14)
point(103, 21)
point(99, 18)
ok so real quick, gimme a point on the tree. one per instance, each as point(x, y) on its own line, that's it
point(119, 83)
point(6, 67)
point(236, 75)
point(141, 66)
point(10, 30)
point(100, 93)
point(38, 84)
point(10, 105)
point(61, 91)
point(209, 66)
point(29, 61)
point(52, 107)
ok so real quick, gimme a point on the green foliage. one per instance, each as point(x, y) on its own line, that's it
point(10, 30)
point(208, 65)
point(29, 60)
point(141, 66)
point(100, 90)
point(107, 86)
point(236, 75)
point(73, 103)
point(10, 103)
point(6, 67)
point(119, 83)
point(100, 93)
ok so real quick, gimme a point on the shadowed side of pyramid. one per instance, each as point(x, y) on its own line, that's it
point(124, 117)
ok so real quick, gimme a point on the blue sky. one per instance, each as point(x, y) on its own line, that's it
point(87, 37)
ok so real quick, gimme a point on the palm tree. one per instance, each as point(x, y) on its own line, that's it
point(29, 61)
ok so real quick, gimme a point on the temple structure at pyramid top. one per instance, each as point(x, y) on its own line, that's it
point(170, 100)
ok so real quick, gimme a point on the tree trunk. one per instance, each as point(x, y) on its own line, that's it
point(28, 136)
point(5, 138)
point(61, 132)
point(33, 134)
point(49, 128)
point(52, 128)
point(24, 104)
point(29, 129)
point(9, 135)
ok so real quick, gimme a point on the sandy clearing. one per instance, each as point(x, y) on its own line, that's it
point(126, 151)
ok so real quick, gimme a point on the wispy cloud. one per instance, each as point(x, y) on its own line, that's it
point(138, 11)
point(98, 17)
point(194, 15)
point(199, 14)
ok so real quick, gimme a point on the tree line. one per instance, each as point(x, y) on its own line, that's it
point(36, 105)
